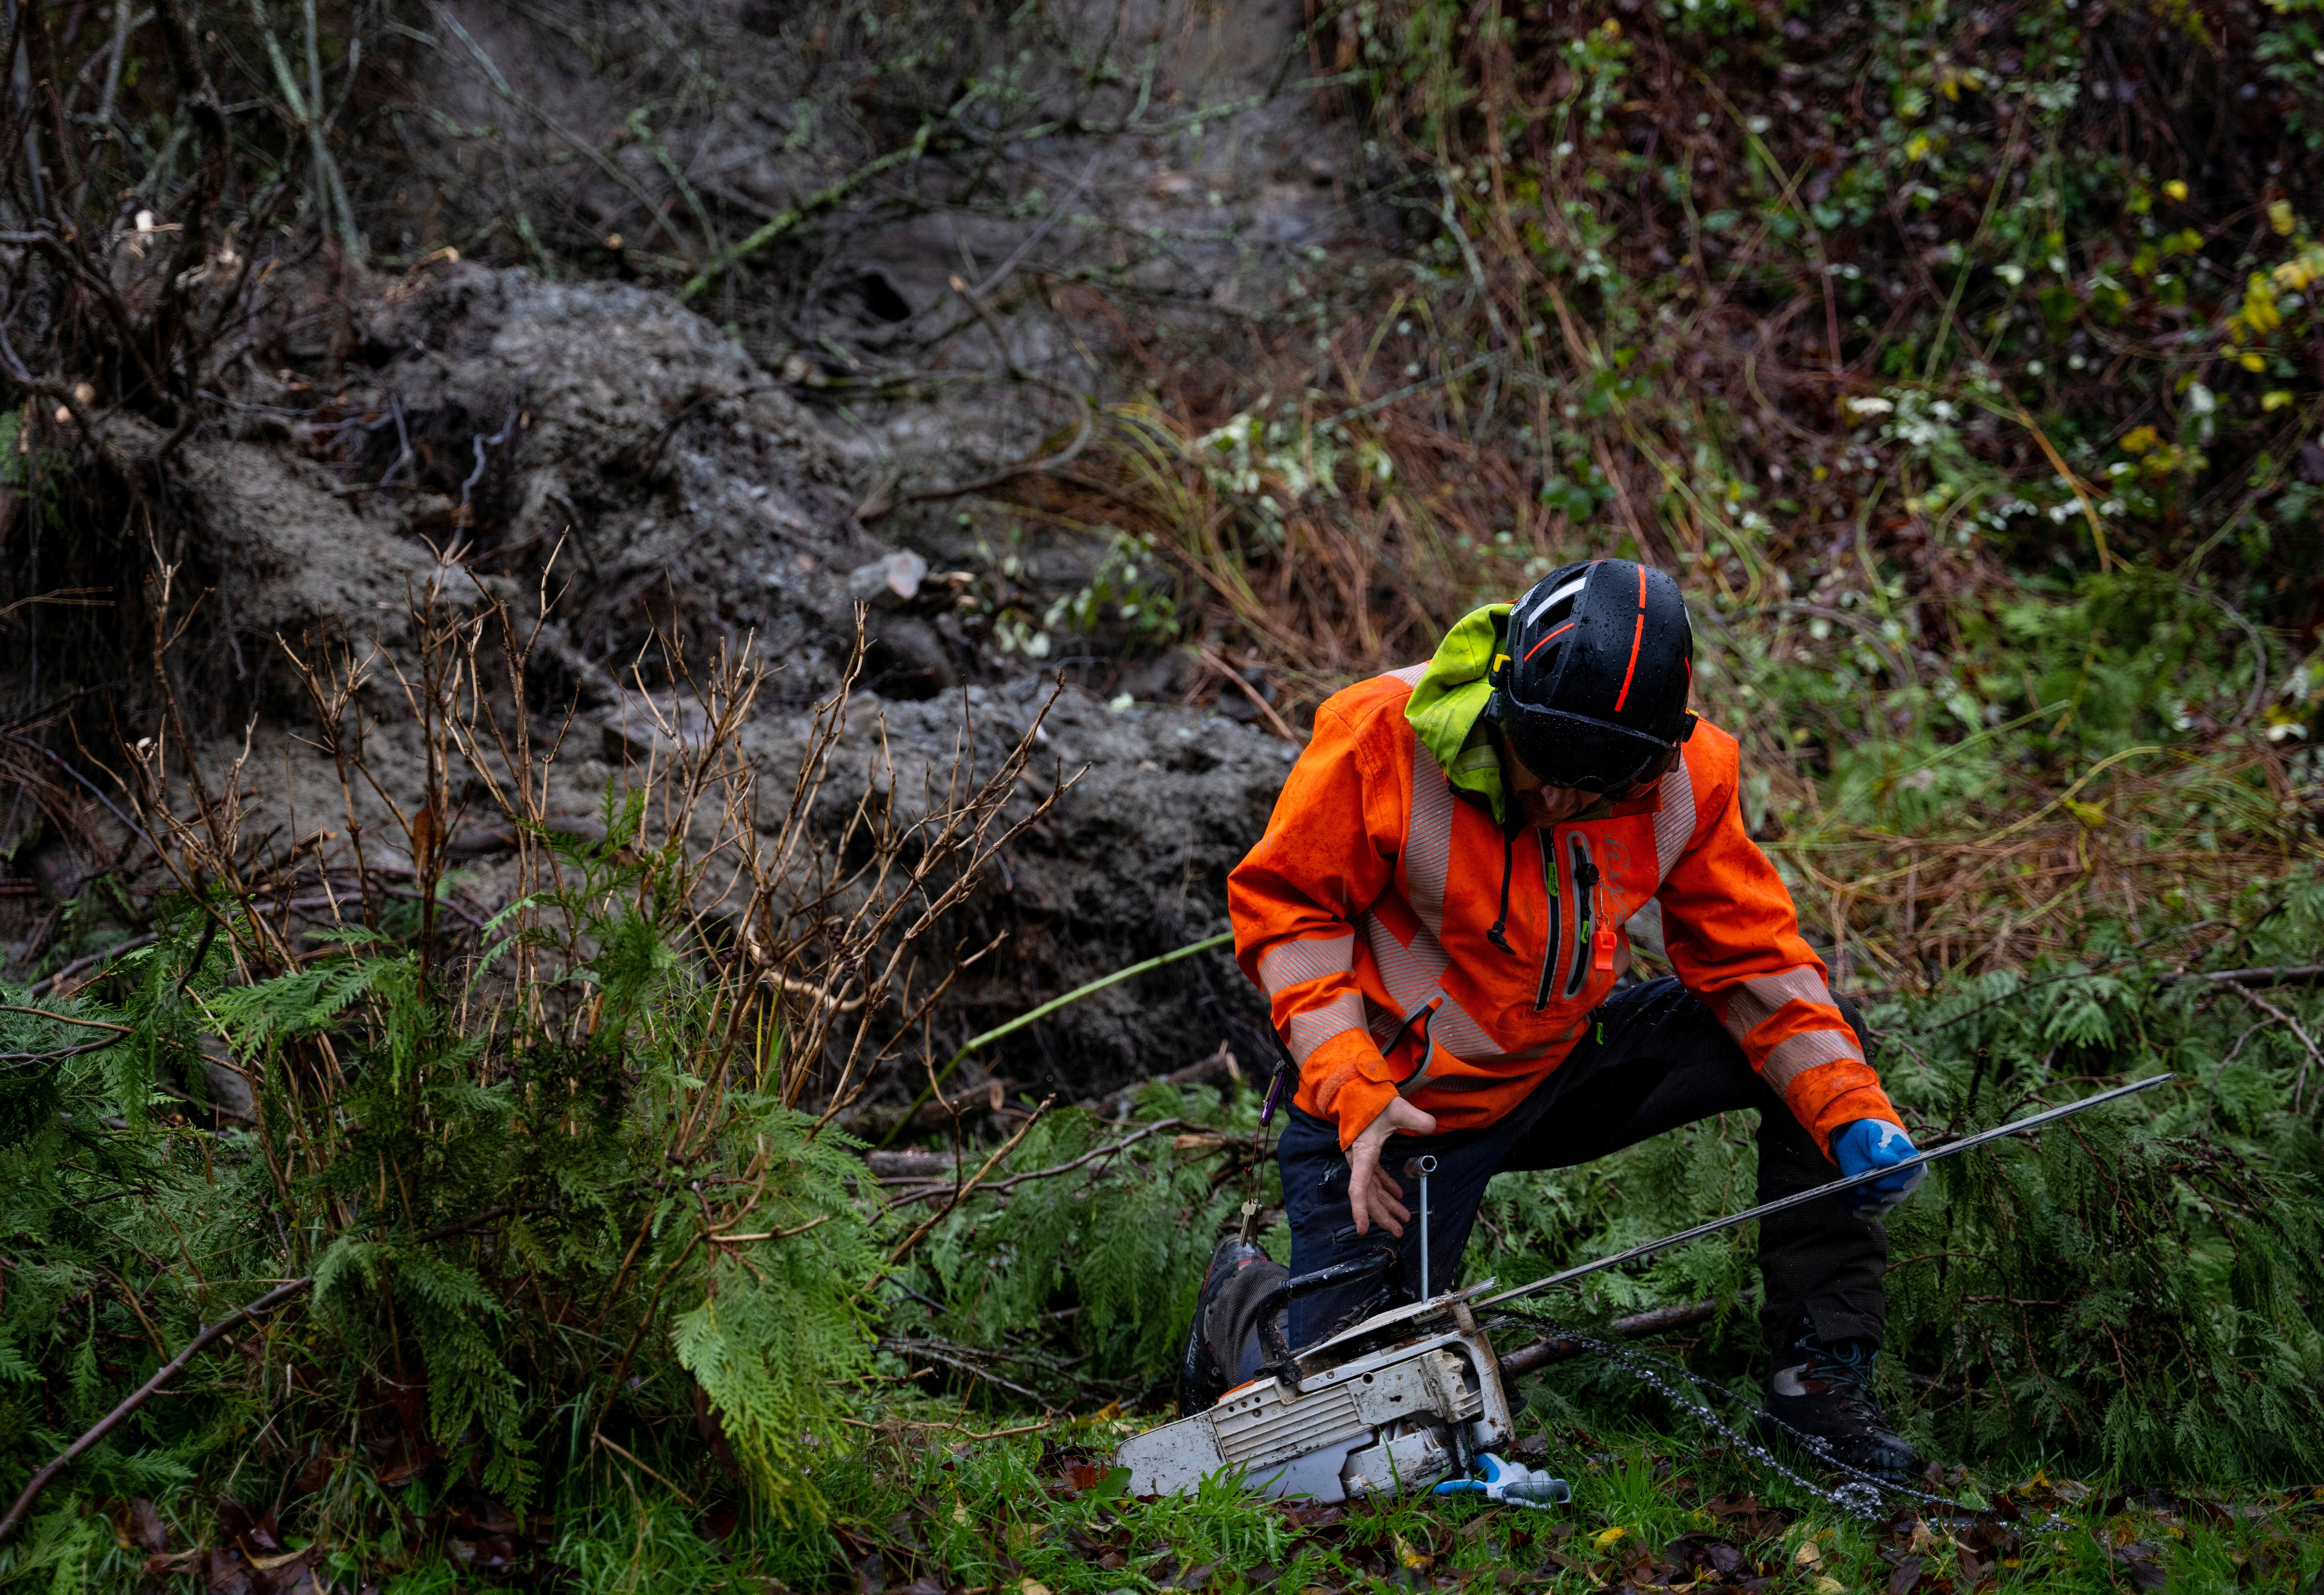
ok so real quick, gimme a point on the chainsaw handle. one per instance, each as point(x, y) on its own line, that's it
point(1376, 1261)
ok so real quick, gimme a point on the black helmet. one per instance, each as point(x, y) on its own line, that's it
point(1591, 679)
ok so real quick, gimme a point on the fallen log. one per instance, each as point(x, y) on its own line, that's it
point(1540, 1353)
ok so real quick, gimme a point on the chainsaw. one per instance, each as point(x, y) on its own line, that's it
point(1414, 1398)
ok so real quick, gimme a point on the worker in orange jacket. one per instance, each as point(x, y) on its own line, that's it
point(1440, 913)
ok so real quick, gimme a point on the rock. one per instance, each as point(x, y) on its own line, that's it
point(1158, 804)
point(287, 549)
point(229, 1092)
point(905, 657)
point(637, 726)
point(691, 492)
point(890, 581)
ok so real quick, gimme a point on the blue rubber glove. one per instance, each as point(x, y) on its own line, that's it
point(1510, 1483)
point(1870, 1145)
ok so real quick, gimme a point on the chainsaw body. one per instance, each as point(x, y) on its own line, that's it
point(1392, 1406)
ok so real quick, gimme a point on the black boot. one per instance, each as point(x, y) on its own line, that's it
point(1223, 1344)
point(1820, 1399)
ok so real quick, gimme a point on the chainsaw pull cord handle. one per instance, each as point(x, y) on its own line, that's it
point(1420, 1168)
point(1421, 1018)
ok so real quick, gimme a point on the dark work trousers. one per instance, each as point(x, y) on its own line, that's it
point(1654, 1058)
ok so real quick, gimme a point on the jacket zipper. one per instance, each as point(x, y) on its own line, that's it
point(1549, 886)
point(1585, 895)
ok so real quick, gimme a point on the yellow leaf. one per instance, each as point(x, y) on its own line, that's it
point(2139, 440)
point(1828, 1585)
point(1807, 1555)
point(2253, 361)
point(1605, 1539)
point(2276, 400)
point(2092, 815)
point(2280, 218)
point(960, 1514)
point(2259, 308)
point(2176, 189)
point(1411, 1558)
point(1033, 1587)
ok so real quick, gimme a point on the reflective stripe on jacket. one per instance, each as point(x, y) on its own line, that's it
point(1366, 913)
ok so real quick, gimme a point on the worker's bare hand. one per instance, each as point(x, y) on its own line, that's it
point(1372, 1192)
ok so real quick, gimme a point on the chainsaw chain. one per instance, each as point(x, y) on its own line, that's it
point(1857, 1499)
point(1860, 1496)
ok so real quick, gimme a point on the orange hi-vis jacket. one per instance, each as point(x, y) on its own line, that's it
point(1365, 914)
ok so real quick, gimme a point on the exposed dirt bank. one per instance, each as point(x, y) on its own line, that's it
point(640, 471)
point(653, 485)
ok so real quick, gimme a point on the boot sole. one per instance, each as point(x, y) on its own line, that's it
point(1771, 1432)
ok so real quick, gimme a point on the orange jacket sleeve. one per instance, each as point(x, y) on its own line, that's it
point(1328, 854)
point(1734, 939)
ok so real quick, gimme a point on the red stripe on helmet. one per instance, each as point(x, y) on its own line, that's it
point(1637, 636)
point(1545, 642)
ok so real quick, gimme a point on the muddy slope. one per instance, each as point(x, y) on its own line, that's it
point(639, 468)
point(760, 476)
point(695, 493)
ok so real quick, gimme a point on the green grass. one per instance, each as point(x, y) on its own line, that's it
point(1650, 1506)
point(922, 1509)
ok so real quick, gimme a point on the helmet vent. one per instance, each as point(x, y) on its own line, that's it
point(1563, 594)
